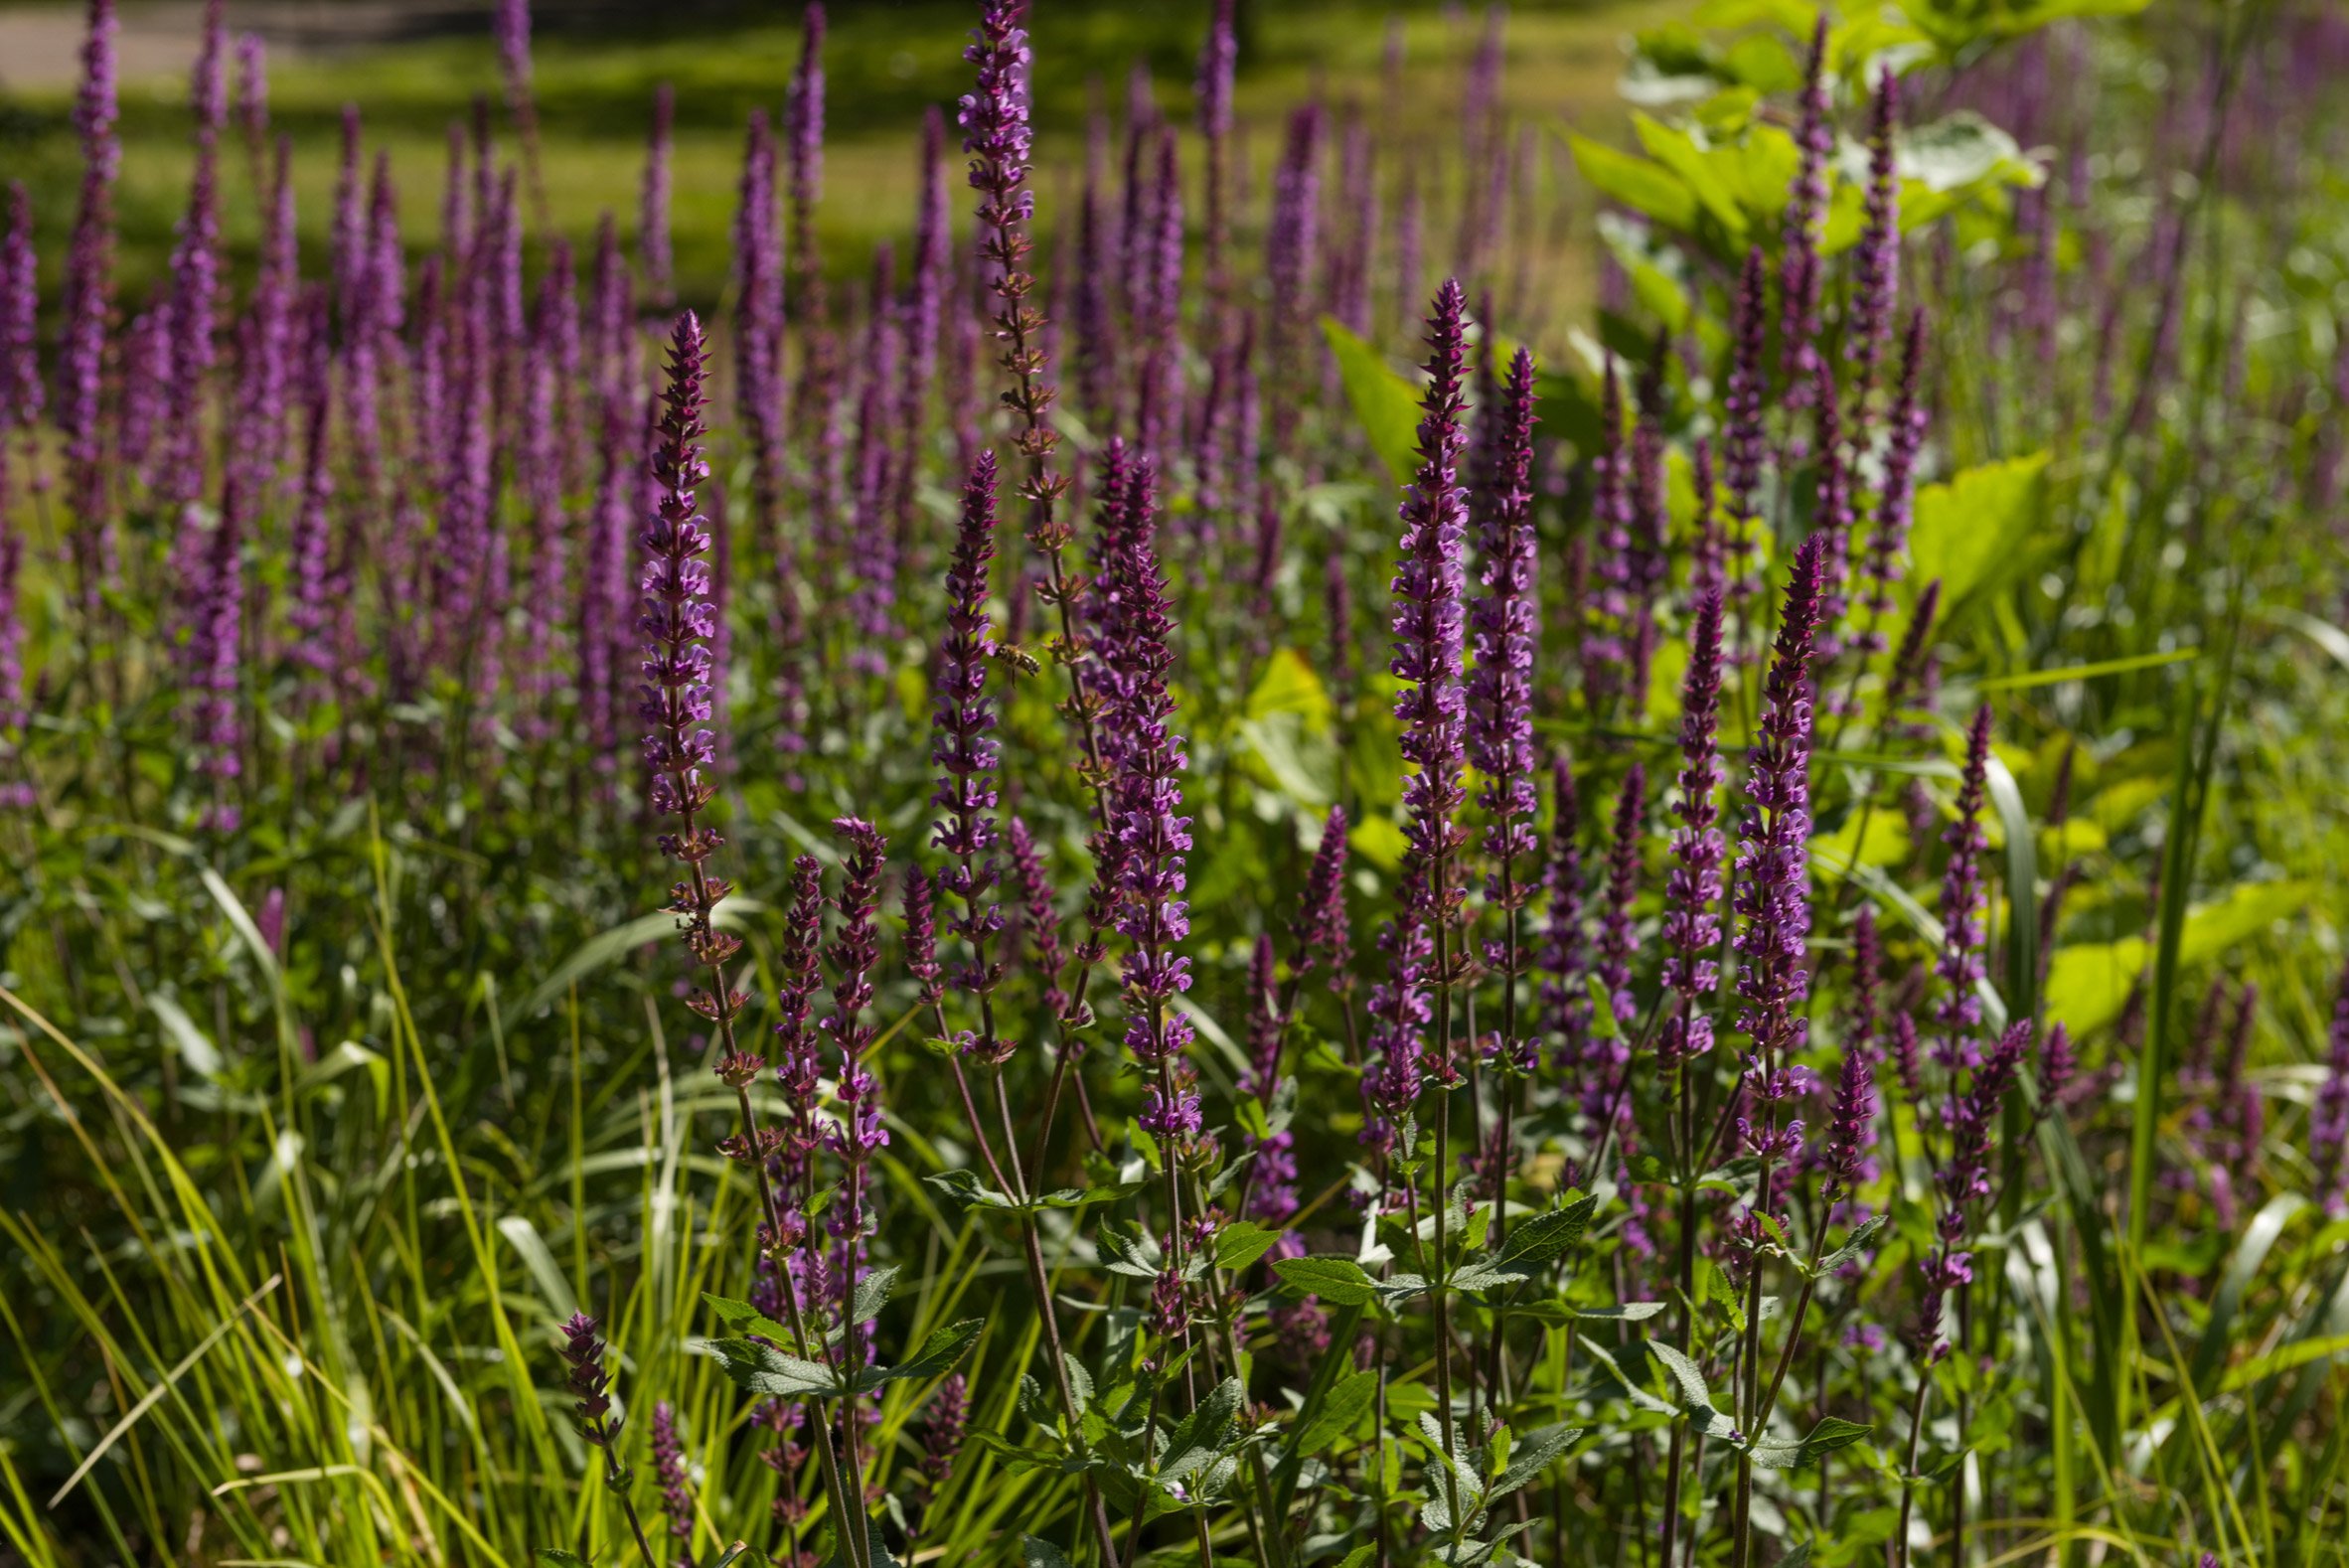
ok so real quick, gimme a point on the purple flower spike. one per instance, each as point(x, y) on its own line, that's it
point(1744, 444)
point(652, 227)
point(2328, 1118)
point(1889, 542)
point(1500, 692)
point(21, 394)
point(962, 748)
point(1322, 936)
point(1692, 892)
point(669, 1468)
point(1851, 1123)
point(252, 88)
point(1799, 277)
point(1428, 622)
point(1151, 836)
point(88, 296)
point(1773, 871)
point(588, 1382)
point(1958, 1010)
point(1565, 1001)
point(677, 624)
point(1875, 292)
point(1619, 939)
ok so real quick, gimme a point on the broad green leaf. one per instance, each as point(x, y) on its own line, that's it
point(1341, 1281)
point(1287, 684)
point(2088, 982)
point(1348, 1397)
point(757, 1368)
point(940, 1353)
point(1385, 403)
point(746, 1317)
point(1639, 184)
point(1974, 529)
point(1241, 1243)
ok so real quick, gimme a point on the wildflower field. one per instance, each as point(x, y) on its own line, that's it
point(1315, 807)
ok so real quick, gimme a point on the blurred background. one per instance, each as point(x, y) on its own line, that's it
point(415, 68)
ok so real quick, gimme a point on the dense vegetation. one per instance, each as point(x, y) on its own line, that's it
point(1204, 872)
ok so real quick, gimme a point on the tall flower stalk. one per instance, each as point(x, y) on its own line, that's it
point(677, 625)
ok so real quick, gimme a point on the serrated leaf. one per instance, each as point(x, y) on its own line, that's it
point(939, 1355)
point(758, 1368)
point(1695, 1398)
point(1239, 1244)
point(965, 1188)
point(1860, 1236)
point(1544, 1236)
point(1339, 1281)
point(1540, 1450)
point(1201, 1432)
point(1037, 1552)
point(1348, 1398)
point(873, 1294)
point(748, 1318)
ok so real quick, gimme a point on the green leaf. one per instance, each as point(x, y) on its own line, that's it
point(1697, 1400)
point(1037, 1552)
point(939, 1355)
point(1239, 1244)
point(1287, 684)
point(1830, 1434)
point(1385, 403)
point(1201, 1432)
point(747, 1319)
point(2088, 982)
point(873, 1294)
point(1538, 1450)
point(965, 1188)
point(1974, 529)
point(1861, 1235)
point(1640, 185)
point(757, 1368)
point(1338, 1281)
point(1348, 1398)
point(1358, 1557)
point(1604, 1024)
point(563, 1559)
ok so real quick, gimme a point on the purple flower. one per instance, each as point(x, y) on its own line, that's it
point(1153, 836)
point(1427, 586)
point(1875, 288)
point(1218, 56)
point(1800, 232)
point(758, 324)
point(1772, 870)
point(1851, 1123)
point(1691, 931)
point(1897, 492)
point(931, 279)
point(1564, 955)
point(253, 88)
point(510, 25)
point(21, 394)
point(1500, 692)
point(945, 1420)
point(669, 1468)
point(652, 224)
point(962, 748)
point(1958, 1010)
point(803, 128)
point(1041, 915)
point(1965, 1175)
point(1619, 939)
point(1745, 443)
point(675, 700)
point(88, 296)
point(1322, 935)
point(587, 1381)
point(1290, 246)
point(2328, 1117)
